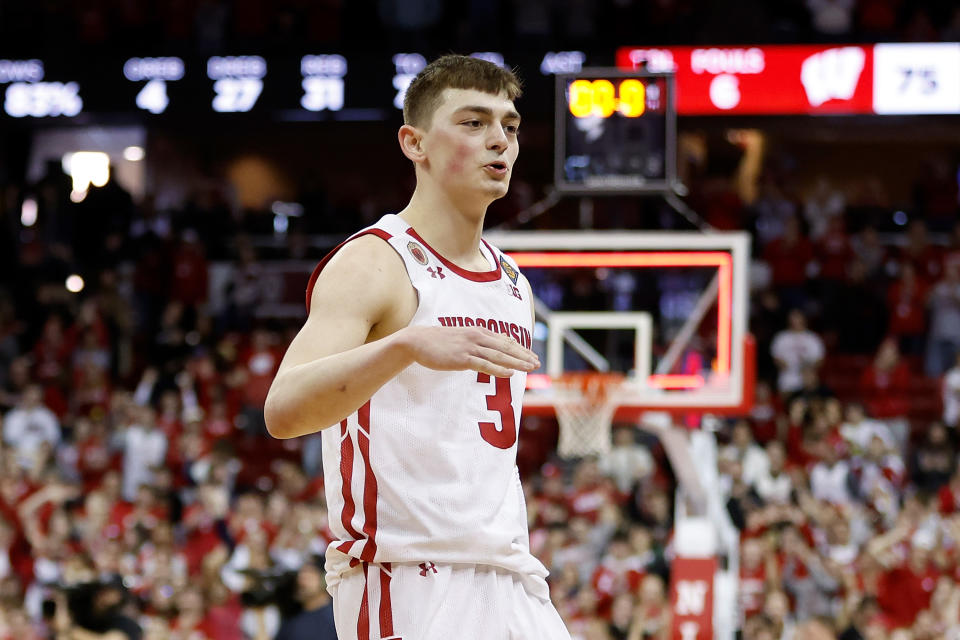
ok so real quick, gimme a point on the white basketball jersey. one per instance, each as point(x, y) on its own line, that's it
point(426, 470)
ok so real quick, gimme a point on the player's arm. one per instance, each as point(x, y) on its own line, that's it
point(336, 363)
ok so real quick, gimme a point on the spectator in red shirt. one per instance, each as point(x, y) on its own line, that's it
point(926, 259)
point(253, 375)
point(189, 270)
point(833, 251)
point(949, 495)
point(906, 589)
point(885, 384)
point(789, 257)
point(191, 621)
point(907, 304)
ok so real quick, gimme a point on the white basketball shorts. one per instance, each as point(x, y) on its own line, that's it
point(440, 602)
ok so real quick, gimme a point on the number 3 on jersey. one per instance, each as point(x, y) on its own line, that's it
point(500, 401)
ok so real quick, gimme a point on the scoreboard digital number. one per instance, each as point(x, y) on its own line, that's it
point(615, 132)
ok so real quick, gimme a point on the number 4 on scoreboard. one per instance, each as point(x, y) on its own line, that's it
point(153, 97)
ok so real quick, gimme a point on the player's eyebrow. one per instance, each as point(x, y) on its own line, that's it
point(487, 111)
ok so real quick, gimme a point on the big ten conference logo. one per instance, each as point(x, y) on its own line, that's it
point(832, 74)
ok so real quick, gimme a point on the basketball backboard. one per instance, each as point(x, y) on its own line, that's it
point(682, 298)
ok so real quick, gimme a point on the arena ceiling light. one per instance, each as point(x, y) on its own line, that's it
point(86, 168)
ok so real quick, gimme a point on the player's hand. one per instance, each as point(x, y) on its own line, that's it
point(469, 348)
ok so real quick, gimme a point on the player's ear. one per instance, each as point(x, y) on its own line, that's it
point(411, 143)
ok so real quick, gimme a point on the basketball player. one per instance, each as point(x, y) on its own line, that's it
point(413, 362)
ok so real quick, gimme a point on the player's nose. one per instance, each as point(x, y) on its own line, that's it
point(497, 140)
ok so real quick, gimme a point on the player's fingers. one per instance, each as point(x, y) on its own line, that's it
point(509, 346)
point(485, 366)
point(505, 359)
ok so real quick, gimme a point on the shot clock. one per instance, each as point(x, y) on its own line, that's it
point(615, 132)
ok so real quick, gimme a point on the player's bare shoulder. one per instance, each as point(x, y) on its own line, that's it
point(367, 280)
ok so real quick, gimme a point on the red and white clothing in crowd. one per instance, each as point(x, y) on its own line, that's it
point(259, 364)
point(752, 589)
point(904, 591)
point(614, 576)
point(886, 392)
point(831, 482)
point(795, 349)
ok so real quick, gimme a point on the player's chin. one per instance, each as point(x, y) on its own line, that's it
point(497, 189)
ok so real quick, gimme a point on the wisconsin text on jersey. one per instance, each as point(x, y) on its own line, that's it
point(511, 329)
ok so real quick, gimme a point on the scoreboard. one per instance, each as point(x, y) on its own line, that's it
point(828, 79)
point(615, 132)
point(306, 87)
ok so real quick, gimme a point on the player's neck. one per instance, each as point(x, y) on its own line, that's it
point(452, 228)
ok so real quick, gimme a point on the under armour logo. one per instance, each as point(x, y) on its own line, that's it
point(427, 566)
point(438, 273)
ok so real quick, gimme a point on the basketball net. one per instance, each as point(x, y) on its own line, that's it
point(585, 404)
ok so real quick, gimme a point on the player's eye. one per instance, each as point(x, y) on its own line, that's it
point(512, 129)
point(473, 124)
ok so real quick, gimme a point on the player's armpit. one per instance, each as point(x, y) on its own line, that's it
point(330, 368)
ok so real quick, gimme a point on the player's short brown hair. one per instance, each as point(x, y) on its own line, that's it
point(454, 72)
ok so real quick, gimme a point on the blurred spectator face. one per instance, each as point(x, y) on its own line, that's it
point(796, 321)
point(937, 435)
point(310, 582)
point(156, 628)
point(640, 540)
point(652, 590)
point(580, 529)
point(777, 456)
point(855, 413)
point(798, 411)
point(59, 524)
point(814, 630)
point(839, 532)
point(833, 411)
point(597, 630)
point(751, 553)
point(162, 534)
point(553, 485)
point(32, 397)
point(170, 403)
point(619, 548)
point(888, 354)
point(876, 450)
point(586, 474)
point(621, 611)
point(776, 606)
point(6, 534)
point(190, 602)
point(741, 436)
point(111, 485)
point(145, 498)
point(623, 437)
point(278, 507)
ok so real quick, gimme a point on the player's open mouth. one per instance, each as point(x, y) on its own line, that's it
point(499, 168)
